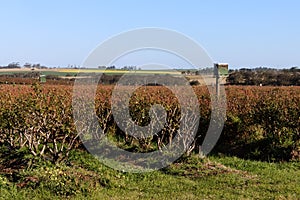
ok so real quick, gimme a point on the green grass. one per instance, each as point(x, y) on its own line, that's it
point(74, 72)
point(84, 177)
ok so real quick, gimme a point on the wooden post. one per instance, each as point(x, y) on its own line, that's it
point(216, 73)
point(217, 85)
point(220, 70)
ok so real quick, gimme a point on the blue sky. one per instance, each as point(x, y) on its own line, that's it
point(242, 33)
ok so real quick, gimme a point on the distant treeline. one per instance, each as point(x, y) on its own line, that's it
point(11, 66)
point(16, 65)
point(265, 76)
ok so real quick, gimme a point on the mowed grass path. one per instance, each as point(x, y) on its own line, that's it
point(218, 178)
point(189, 178)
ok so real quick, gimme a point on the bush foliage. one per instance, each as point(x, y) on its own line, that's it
point(262, 122)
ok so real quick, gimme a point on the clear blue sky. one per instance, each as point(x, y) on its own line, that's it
point(242, 33)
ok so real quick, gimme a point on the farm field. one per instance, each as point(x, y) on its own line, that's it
point(67, 74)
point(257, 155)
point(64, 71)
point(150, 100)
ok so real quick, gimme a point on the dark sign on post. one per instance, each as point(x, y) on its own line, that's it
point(42, 78)
point(221, 69)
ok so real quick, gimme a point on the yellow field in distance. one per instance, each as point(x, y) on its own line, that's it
point(118, 71)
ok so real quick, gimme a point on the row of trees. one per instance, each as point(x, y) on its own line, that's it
point(16, 65)
point(265, 76)
point(11, 66)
